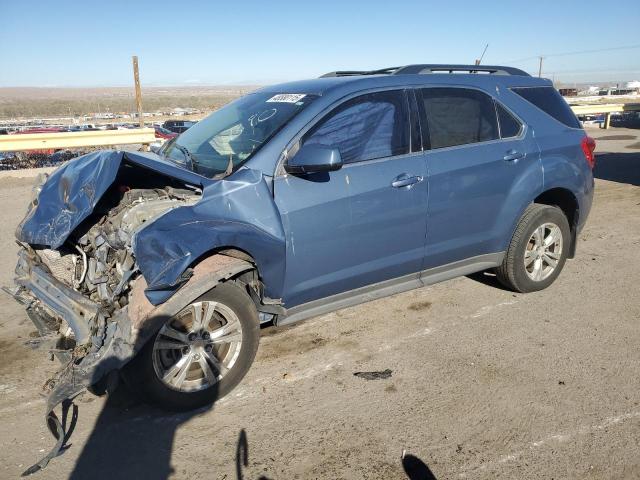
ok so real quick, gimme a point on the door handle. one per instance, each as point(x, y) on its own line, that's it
point(513, 156)
point(405, 180)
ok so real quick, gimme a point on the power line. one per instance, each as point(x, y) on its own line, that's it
point(601, 70)
point(580, 52)
point(629, 47)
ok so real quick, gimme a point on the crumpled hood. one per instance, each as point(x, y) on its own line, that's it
point(71, 193)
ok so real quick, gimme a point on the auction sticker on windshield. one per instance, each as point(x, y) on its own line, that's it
point(287, 97)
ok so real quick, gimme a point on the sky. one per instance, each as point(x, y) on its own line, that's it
point(182, 42)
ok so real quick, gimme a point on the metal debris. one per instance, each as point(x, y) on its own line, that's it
point(379, 375)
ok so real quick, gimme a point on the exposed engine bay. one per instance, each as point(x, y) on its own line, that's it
point(100, 263)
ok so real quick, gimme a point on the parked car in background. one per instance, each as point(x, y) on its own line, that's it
point(164, 134)
point(293, 201)
point(178, 126)
point(84, 128)
point(7, 159)
point(39, 130)
point(591, 119)
point(626, 120)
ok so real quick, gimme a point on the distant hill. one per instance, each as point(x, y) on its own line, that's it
point(29, 102)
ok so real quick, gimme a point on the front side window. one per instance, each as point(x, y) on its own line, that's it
point(457, 116)
point(231, 135)
point(367, 127)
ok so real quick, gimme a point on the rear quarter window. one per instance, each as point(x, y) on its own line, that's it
point(551, 102)
point(509, 126)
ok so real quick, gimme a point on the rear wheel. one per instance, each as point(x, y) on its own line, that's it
point(202, 353)
point(538, 250)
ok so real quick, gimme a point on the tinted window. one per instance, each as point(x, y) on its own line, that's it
point(367, 127)
point(551, 102)
point(457, 116)
point(509, 126)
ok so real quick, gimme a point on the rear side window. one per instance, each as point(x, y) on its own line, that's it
point(509, 125)
point(371, 126)
point(457, 116)
point(551, 102)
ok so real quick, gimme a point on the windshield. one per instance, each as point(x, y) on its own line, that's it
point(228, 137)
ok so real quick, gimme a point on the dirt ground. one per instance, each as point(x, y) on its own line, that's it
point(483, 383)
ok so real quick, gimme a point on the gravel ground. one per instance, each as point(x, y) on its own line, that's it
point(484, 383)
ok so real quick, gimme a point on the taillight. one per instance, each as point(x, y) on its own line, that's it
point(588, 145)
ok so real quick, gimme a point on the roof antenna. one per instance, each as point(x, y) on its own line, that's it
point(479, 60)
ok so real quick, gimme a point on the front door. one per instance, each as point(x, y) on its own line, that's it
point(365, 223)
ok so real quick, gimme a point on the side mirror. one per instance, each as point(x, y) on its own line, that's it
point(313, 159)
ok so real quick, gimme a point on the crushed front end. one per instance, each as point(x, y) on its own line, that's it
point(76, 290)
point(116, 243)
point(77, 294)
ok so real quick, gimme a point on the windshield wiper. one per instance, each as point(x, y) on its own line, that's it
point(191, 161)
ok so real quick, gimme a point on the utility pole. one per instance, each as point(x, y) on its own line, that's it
point(540, 67)
point(136, 79)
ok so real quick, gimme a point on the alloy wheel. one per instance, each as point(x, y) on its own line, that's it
point(195, 349)
point(543, 251)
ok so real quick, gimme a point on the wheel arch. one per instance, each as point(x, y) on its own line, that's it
point(145, 318)
point(250, 279)
point(566, 201)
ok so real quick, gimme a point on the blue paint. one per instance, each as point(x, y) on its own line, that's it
point(236, 212)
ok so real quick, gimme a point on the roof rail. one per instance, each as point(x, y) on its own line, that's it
point(436, 68)
point(432, 68)
point(348, 73)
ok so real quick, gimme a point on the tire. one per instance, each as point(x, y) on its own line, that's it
point(520, 277)
point(179, 393)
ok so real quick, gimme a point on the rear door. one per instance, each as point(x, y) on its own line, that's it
point(365, 223)
point(478, 170)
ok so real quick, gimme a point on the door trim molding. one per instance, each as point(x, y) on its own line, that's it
point(389, 287)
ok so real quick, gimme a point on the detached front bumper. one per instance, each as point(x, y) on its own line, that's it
point(48, 299)
point(101, 343)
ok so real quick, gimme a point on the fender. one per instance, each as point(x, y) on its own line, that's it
point(578, 181)
point(146, 318)
point(237, 212)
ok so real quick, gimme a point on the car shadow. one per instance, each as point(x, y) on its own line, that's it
point(133, 440)
point(618, 167)
point(130, 440)
point(488, 278)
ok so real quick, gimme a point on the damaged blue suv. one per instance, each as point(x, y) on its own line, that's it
point(290, 202)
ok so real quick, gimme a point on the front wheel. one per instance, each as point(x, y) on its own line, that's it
point(538, 250)
point(201, 354)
